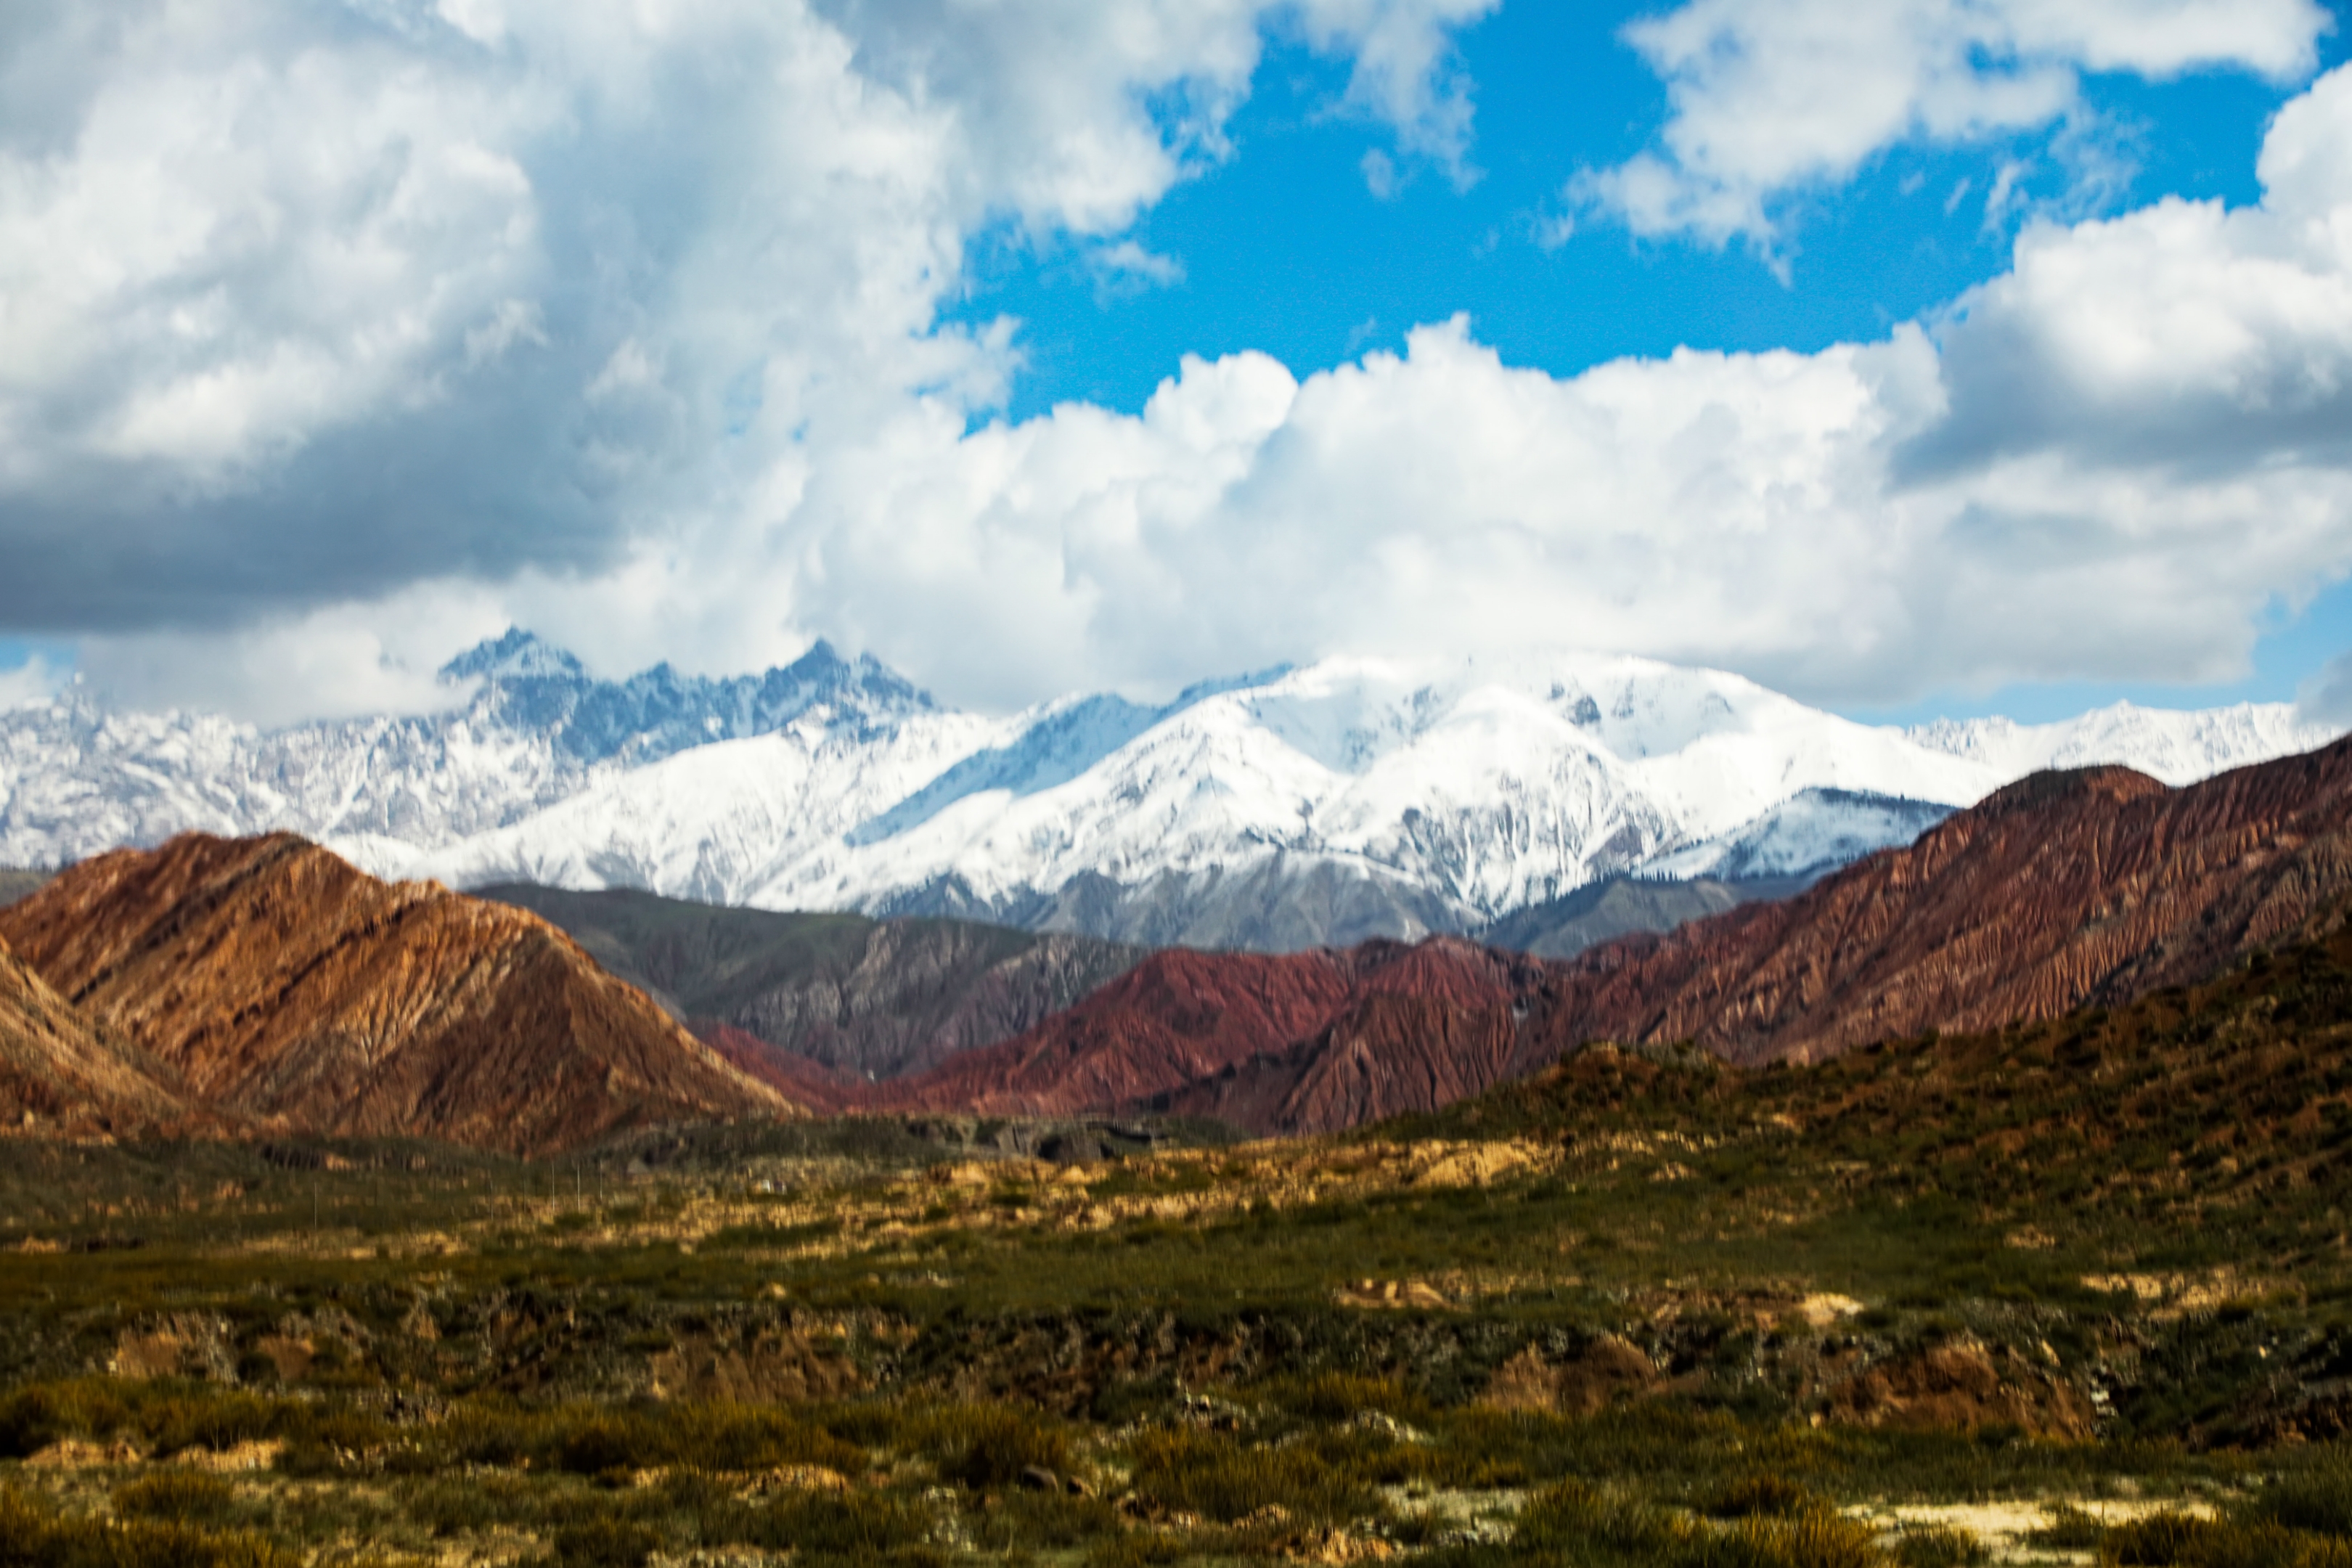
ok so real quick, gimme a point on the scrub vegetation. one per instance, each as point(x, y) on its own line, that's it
point(2075, 1292)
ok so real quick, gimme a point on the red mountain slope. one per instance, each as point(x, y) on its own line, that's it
point(2095, 886)
point(282, 983)
point(60, 1073)
point(1185, 1031)
point(803, 1079)
point(2065, 889)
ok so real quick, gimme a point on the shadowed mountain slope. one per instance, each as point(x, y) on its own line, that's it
point(861, 997)
point(282, 984)
point(15, 884)
point(61, 1074)
point(1438, 1015)
point(1625, 906)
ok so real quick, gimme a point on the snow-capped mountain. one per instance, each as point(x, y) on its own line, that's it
point(1811, 833)
point(527, 727)
point(2165, 743)
point(1349, 798)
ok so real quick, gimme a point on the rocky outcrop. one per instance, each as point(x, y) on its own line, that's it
point(62, 1075)
point(868, 999)
point(15, 884)
point(282, 985)
point(2092, 886)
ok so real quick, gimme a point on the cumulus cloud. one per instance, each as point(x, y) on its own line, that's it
point(314, 301)
point(1772, 97)
point(681, 393)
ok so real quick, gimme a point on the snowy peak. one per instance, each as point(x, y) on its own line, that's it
point(532, 685)
point(1813, 832)
point(535, 730)
point(2177, 747)
point(1350, 798)
point(517, 656)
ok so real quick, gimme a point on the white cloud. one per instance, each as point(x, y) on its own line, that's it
point(309, 301)
point(1772, 96)
point(328, 664)
point(35, 680)
point(681, 393)
point(1405, 73)
point(2108, 463)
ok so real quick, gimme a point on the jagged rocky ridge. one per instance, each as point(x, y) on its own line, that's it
point(527, 727)
point(279, 987)
point(1349, 799)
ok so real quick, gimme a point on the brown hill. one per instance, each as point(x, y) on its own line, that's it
point(282, 984)
point(1294, 1042)
point(61, 1074)
point(2091, 886)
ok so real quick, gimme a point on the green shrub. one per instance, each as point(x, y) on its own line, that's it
point(983, 1446)
point(2317, 1498)
point(1337, 1396)
point(592, 1440)
point(33, 1537)
point(33, 1418)
point(858, 1527)
point(190, 1495)
point(2069, 1530)
point(1574, 1522)
point(1814, 1540)
point(2177, 1541)
point(1937, 1546)
point(1774, 1496)
point(1218, 1478)
point(604, 1542)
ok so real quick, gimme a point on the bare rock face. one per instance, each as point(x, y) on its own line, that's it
point(60, 1074)
point(283, 985)
point(1177, 1019)
point(2090, 887)
point(1303, 1042)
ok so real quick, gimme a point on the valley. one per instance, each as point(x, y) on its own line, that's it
point(1980, 1201)
point(2053, 1293)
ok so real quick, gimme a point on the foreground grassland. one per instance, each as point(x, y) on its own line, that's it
point(2073, 1293)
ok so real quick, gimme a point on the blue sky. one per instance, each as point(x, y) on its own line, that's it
point(1285, 250)
point(340, 336)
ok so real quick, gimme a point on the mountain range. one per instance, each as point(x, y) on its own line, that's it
point(265, 984)
point(2073, 889)
point(1296, 808)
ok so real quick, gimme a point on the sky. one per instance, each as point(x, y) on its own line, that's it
point(1945, 357)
